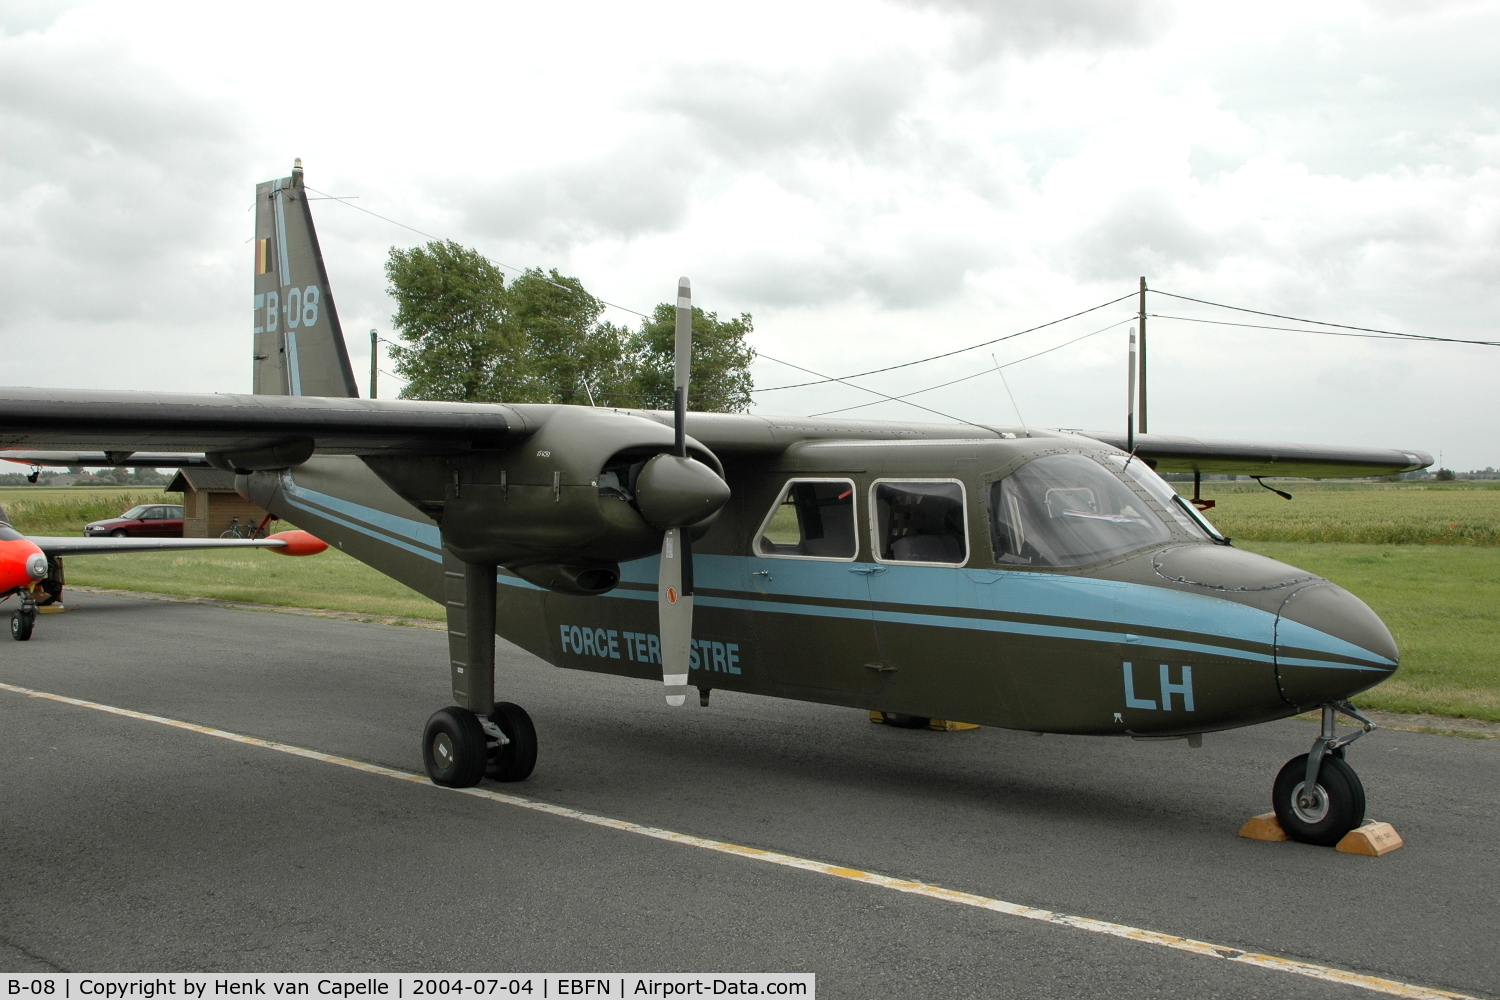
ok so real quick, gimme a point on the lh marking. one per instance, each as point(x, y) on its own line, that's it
point(1168, 689)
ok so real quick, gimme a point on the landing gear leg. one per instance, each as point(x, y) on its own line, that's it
point(23, 620)
point(1317, 796)
point(483, 737)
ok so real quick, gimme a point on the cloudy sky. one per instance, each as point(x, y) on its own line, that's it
point(874, 182)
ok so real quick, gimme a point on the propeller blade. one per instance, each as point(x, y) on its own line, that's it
point(684, 364)
point(674, 593)
point(674, 587)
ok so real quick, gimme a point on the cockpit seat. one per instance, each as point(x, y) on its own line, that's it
point(927, 548)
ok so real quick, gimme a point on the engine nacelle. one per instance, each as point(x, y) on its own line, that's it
point(560, 508)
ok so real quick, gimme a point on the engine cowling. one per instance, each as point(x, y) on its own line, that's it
point(588, 490)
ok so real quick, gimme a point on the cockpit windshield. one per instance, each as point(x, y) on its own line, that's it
point(1188, 517)
point(1068, 510)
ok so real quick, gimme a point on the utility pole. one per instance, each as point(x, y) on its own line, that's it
point(1140, 423)
point(374, 368)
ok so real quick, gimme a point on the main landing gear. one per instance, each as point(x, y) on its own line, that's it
point(1317, 796)
point(459, 747)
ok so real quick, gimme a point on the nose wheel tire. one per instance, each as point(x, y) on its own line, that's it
point(21, 624)
point(1324, 815)
point(454, 748)
point(512, 761)
point(903, 721)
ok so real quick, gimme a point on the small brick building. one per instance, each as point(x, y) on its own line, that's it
point(210, 504)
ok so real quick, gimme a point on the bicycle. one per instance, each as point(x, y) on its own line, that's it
point(248, 531)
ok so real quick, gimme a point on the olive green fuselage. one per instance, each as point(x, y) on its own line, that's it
point(1182, 636)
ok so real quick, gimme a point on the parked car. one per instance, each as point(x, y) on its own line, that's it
point(149, 520)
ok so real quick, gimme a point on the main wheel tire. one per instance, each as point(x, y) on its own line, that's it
point(21, 625)
point(1337, 808)
point(453, 748)
point(903, 721)
point(512, 761)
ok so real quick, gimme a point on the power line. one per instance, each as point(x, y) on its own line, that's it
point(830, 378)
point(1318, 322)
point(903, 397)
point(1344, 332)
point(947, 354)
point(508, 267)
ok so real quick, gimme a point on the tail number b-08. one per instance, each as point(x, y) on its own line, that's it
point(301, 308)
point(1168, 689)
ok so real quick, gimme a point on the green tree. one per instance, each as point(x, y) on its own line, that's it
point(721, 379)
point(450, 307)
point(471, 337)
point(569, 355)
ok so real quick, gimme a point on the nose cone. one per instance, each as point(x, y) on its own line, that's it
point(1330, 645)
point(21, 563)
point(674, 492)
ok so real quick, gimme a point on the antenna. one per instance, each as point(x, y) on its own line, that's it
point(1141, 319)
point(1006, 382)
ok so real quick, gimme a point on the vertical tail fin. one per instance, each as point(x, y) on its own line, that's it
point(299, 345)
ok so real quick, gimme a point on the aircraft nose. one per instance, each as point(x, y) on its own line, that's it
point(1330, 645)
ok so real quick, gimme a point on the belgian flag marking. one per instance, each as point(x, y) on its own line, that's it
point(263, 256)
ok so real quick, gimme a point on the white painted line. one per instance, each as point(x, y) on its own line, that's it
point(1205, 949)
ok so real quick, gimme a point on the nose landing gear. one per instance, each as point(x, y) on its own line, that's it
point(1317, 796)
point(23, 620)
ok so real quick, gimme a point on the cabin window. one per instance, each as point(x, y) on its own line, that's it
point(919, 521)
point(1068, 510)
point(812, 519)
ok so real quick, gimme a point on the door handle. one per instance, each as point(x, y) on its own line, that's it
point(763, 572)
point(880, 668)
point(867, 570)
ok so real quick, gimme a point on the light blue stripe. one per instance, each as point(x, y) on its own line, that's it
point(422, 534)
point(1328, 665)
point(402, 527)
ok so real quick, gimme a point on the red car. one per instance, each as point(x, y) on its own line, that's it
point(149, 520)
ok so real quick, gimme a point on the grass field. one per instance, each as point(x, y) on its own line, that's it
point(330, 580)
point(1441, 601)
point(1370, 513)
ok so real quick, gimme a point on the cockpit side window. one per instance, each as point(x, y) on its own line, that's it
point(919, 521)
point(1068, 510)
point(811, 519)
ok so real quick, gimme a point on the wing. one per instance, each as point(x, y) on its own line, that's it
point(1170, 453)
point(248, 432)
point(97, 459)
point(269, 432)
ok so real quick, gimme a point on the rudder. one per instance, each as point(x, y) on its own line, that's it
point(299, 344)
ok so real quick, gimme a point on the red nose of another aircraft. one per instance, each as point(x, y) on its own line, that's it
point(21, 564)
point(297, 543)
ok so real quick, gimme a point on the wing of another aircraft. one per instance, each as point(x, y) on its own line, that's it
point(54, 545)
